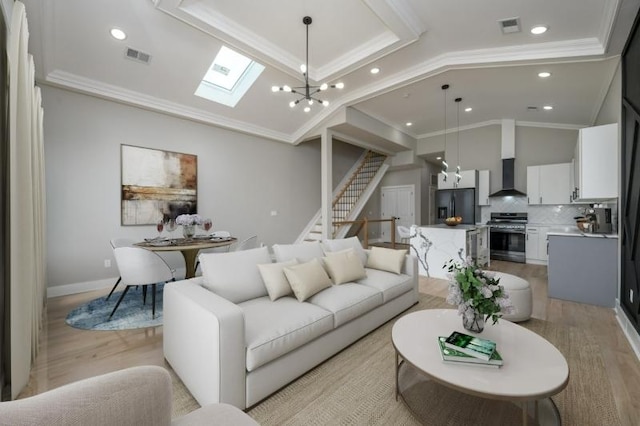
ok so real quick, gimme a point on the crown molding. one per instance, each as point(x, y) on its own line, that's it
point(219, 26)
point(375, 48)
point(130, 97)
point(559, 126)
point(611, 8)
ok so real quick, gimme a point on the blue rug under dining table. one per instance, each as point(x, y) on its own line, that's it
point(131, 313)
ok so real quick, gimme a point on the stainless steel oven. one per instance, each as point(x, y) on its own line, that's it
point(507, 236)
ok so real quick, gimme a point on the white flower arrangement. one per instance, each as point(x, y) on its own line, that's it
point(189, 219)
point(476, 291)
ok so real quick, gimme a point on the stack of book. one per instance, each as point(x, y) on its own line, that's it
point(460, 348)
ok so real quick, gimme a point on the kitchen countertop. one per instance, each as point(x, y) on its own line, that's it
point(577, 233)
point(458, 227)
point(570, 231)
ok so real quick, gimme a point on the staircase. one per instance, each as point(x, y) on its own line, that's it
point(350, 196)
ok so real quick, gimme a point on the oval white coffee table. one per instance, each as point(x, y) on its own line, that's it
point(533, 369)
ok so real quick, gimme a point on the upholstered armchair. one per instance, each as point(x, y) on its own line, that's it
point(137, 396)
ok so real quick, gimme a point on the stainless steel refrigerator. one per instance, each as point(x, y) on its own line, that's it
point(457, 202)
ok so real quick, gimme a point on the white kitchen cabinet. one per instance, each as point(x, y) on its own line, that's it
point(531, 244)
point(596, 164)
point(483, 188)
point(536, 244)
point(549, 184)
point(469, 179)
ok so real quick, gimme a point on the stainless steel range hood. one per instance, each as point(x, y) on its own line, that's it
point(508, 150)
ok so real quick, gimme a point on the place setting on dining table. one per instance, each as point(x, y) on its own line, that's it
point(190, 243)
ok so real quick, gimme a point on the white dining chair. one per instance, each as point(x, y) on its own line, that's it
point(119, 242)
point(141, 267)
point(249, 243)
point(214, 234)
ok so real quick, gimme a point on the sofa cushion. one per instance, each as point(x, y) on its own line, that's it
point(391, 285)
point(273, 329)
point(306, 279)
point(346, 243)
point(344, 266)
point(304, 252)
point(386, 259)
point(275, 280)
point(347, 301)
point(235, 275)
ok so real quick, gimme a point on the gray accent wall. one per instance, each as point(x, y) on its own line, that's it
point(241, 180)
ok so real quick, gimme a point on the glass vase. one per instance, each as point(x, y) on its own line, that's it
point(475, 324)
point(188, 231)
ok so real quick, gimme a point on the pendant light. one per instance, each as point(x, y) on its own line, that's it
point(445, 166)
point(458, 175)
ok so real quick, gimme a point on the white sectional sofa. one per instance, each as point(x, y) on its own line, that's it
point(230, 342)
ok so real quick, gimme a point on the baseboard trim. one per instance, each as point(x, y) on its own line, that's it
point(67, 289)
point(75, 288)
point(628, 329)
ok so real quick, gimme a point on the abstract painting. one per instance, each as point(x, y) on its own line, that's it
point(157, 185)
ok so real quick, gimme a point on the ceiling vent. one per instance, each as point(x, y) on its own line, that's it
point(509, 26)
point(137, 55)
point(532, 108)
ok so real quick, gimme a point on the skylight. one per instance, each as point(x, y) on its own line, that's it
point(229, 77)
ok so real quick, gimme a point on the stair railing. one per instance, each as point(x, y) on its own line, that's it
point(353, 177)
point(364, 224)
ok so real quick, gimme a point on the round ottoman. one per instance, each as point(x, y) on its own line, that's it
point(520, 294)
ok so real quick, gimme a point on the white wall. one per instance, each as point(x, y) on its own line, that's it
point(611, 109)
point(241, 179)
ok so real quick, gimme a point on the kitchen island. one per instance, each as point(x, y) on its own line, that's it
point(434, 245)
point(583, 267)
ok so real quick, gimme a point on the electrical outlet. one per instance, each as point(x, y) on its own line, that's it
point(631, 295)
point(107, 263)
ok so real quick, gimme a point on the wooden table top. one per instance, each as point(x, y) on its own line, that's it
point(186, 244)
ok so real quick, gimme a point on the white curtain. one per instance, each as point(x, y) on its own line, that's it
point(27, 204)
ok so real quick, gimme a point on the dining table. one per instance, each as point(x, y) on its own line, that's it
point(189, 247)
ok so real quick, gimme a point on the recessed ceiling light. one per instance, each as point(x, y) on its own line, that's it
point(118, 34)
point(438, 158)
point(409, 123)
point(375, 70)
point(539, 29)
point(544, 74)
point(547, 107)
point(468, 109)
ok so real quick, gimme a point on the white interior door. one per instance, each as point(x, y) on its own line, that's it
point(398, 202)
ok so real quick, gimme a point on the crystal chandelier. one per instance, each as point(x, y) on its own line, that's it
point(307, 91)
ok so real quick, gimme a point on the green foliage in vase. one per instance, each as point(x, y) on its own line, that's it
point(474, 290)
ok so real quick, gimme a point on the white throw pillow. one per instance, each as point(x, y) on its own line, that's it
point(386, 259)
point(304, 252)
point(344, 266)
point(307, 279)
point(275, 280)
point(345, 243)
point(235, 275)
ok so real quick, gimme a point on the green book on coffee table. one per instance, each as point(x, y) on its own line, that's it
point(471, 345)
point(457, 357)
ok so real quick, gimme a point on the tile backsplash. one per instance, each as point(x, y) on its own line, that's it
point(544, 215)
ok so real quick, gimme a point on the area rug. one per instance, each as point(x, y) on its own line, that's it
point(357, 387)
point(131, 313)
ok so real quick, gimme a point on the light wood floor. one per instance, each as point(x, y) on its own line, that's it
point(67, 354)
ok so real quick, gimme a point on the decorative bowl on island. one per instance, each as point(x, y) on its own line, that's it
point(453, 221)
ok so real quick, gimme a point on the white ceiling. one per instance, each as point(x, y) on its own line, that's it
point(417, 44)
